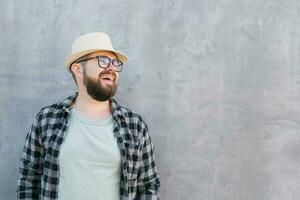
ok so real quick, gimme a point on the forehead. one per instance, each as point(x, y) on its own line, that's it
point(103, 53)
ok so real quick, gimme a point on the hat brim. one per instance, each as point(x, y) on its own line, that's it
point(73, 57)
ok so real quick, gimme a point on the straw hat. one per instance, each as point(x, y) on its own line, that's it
point(89, 43)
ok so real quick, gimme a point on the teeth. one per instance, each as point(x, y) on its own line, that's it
point(106, 78)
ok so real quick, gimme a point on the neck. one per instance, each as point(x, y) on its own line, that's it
point(90, 107)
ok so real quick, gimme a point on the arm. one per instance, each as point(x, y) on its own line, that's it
point(31, 165)
point(148, 178)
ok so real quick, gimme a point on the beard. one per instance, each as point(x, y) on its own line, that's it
point(96, 89)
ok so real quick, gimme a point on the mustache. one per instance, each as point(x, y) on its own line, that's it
point(109, 72)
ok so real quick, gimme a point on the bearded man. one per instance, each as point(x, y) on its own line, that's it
point(88, 146)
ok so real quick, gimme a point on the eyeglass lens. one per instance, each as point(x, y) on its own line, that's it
point(104, 62)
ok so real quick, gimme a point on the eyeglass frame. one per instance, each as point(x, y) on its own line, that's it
point(110, 62)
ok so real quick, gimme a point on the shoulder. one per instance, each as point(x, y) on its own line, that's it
point(130, 114)
point(50, 115)
point(133, 119)
point(50, 110)
point(55, 110)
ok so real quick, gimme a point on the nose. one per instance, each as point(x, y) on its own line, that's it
point(111, 67)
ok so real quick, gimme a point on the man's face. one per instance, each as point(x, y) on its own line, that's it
point(101, 84)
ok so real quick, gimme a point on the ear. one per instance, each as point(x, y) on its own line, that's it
point(77, 69)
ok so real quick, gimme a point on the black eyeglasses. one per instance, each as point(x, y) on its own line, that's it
point(104, 61)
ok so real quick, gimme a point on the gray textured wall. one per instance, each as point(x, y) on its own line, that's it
point(218, 82)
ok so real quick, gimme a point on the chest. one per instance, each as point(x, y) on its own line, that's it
point(95, 145)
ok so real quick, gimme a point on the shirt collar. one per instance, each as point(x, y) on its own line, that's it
point(116, 109)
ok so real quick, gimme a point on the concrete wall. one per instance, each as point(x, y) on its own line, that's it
point(218, 82)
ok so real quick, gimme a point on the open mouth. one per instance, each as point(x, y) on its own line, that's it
point(107, 78)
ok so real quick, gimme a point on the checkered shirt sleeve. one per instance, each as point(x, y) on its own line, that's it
point(31, 165)
point(147, 177)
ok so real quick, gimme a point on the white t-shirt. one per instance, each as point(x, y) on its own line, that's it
point(89, 160)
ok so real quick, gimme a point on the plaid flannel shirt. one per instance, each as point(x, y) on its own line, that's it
point(39, 167)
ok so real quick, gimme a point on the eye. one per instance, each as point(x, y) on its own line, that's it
point(103, 61)
point(116, 62)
